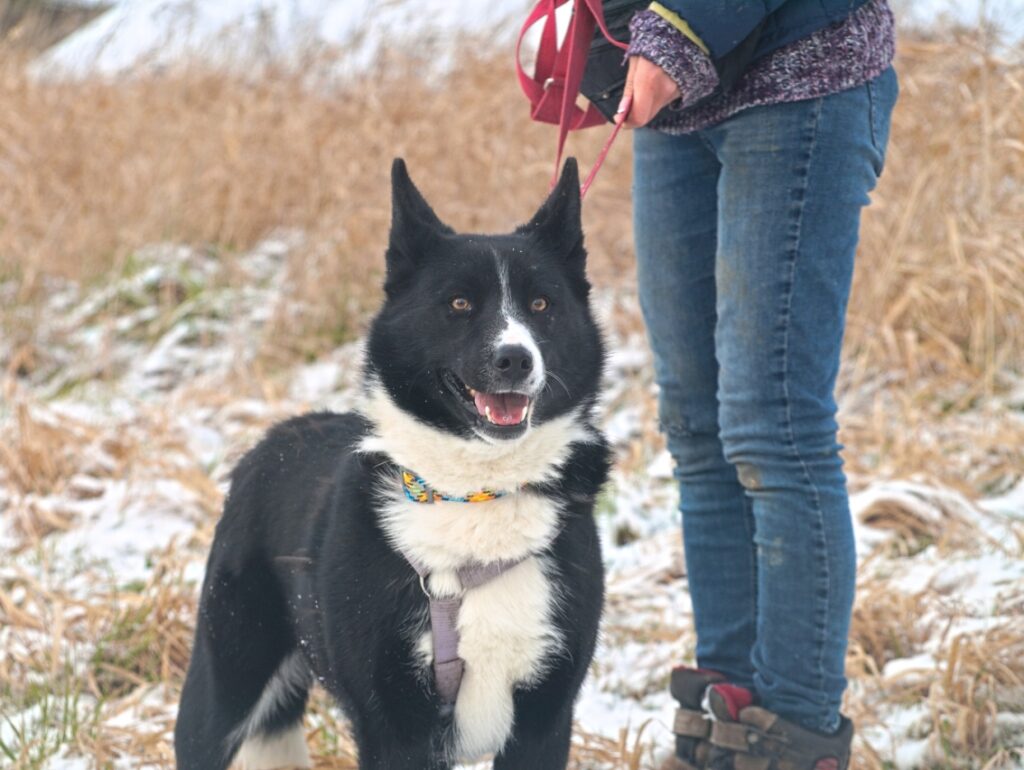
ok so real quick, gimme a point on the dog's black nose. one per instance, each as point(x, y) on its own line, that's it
point(513, 361)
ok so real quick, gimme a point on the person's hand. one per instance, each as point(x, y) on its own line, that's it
point(650, 88)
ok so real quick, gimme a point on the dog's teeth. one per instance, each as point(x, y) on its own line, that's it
point(487, 412)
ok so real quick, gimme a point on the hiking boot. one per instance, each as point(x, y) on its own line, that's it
point(748, 737)
point(692, 726)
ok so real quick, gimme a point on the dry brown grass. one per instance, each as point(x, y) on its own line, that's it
point(983, 674)
point(148, 637)
point(43, 452)
point(94, 170)
point(944, 247)
point(938, 302)
point(976, 679)
point(886, 625)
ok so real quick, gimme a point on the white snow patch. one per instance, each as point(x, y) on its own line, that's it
point(150, 35)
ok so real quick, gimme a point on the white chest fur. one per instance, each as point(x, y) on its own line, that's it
point(506, 631)
point(507, 636)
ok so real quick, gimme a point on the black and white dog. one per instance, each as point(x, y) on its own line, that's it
point(464, 485)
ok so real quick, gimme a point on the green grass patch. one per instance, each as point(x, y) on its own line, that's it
point(38, 721)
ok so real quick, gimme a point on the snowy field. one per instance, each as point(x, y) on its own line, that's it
point(119, 446)
point(151, 34)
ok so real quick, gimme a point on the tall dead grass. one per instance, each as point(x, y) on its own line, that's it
point(940, 284)
point(92, 170)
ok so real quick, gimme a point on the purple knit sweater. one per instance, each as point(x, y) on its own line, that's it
point(841, 56)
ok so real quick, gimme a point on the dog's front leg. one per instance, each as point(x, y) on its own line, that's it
point(386, 744)
point(538, 744)
point(398, 755)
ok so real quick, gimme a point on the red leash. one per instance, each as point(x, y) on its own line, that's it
point(627, 104)
point(556, 80)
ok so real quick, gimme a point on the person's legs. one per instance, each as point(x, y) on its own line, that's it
point(794, 179)
point(676, 220)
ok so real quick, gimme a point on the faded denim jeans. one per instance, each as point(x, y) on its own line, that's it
point(745, 238)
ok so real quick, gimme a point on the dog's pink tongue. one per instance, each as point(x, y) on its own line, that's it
point(502, 408)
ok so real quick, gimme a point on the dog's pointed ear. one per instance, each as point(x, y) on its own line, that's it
point(414, 227)
point(411, 215)
point(558, 221)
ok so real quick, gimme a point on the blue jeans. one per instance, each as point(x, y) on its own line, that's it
point(745, 239)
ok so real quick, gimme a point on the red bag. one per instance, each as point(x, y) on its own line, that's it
point(555, 85)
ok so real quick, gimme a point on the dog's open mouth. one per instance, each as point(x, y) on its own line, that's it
point(501, 408)
point(505, 410)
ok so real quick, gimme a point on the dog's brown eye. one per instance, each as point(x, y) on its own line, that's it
point(539, 305)
point(460, 304)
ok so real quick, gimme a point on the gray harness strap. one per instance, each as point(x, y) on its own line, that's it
point(444, 620)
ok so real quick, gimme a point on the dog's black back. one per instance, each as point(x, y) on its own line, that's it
point(308, 578)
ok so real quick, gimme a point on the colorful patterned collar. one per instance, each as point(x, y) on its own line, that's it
point(417, 490)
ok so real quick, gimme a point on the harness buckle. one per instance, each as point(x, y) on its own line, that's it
point(426, 591)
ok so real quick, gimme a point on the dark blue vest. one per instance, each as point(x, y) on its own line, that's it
point(724, 25)
point(736, 33)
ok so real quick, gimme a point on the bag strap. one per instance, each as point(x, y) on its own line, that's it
point(558, 74)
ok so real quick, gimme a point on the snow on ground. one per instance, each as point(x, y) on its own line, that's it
point(148, 392)
point(152, 34)
point(1006, 15)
